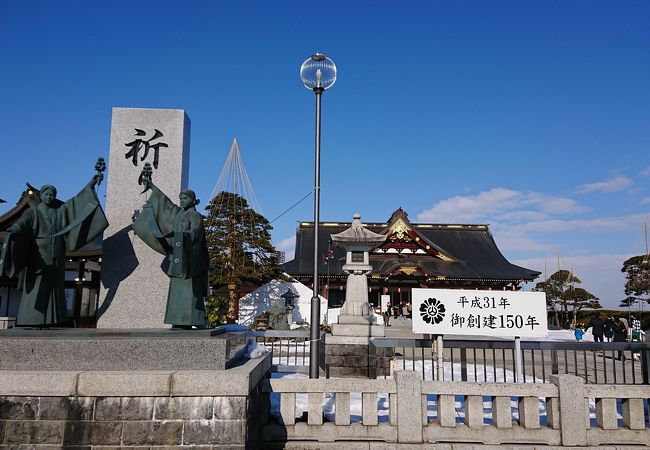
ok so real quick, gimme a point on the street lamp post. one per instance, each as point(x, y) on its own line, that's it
point(318, 73)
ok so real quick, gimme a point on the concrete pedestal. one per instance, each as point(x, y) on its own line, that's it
point(351, 357)
point(361, 326)
point(114, 350)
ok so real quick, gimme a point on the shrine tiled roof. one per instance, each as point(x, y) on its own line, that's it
point(446, 251)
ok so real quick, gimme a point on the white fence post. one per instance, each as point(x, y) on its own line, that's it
point(409, 414)
point(573, 414)
point(519, 373)
point(440, 362)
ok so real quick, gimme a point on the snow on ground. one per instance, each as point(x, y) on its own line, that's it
point(566, 335)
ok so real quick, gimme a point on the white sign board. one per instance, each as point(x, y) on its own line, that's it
point(479, 313)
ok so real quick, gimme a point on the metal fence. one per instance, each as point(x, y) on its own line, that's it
point(477, 360)
point(290, 349)
point(496, 360)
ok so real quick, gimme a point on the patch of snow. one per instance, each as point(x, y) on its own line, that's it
point(254, 349)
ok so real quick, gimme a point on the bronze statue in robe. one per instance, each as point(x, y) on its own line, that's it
point(35, 248)
point(178, 233)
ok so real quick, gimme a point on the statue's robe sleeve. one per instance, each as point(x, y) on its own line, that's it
point(155, 224)
point(17, 246)
point(85, 218)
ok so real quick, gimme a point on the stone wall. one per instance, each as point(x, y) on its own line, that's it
point(354, 360)
point(211, 409)
point(123, 421)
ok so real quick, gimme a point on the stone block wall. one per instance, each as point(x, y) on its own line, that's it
point(217, 409)
point(354, 360)
point(123, 421)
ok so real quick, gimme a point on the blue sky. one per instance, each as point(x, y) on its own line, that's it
point(533, 117)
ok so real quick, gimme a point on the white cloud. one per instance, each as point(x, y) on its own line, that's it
point(573, 262)
point(520, 216)
point(558, 205)
point(509, 242)
point(529, 236)
point(596, 224)
point(645, 201)
point(645, 172)
point(500, 203)
point(530, 224)
point(612, 184)
point(470, 208)
point(600, 273)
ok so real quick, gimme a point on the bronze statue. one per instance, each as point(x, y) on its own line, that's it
point(177, 232)
point(35, 247)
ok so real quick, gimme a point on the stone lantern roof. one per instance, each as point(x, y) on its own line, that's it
point(357, 234)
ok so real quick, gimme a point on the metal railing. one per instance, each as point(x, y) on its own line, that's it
point(495, 361)
point(290, 349)
point(477, 360)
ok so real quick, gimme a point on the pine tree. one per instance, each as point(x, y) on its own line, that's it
point(637, 275)
point(637, 280)
point(561, 294)
point(239, 244)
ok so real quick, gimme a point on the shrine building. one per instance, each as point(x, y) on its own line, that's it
point(414, 255)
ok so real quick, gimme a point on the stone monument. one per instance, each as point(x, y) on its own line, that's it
point(347, 347)
point(134, 288)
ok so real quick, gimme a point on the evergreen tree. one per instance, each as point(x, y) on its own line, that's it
point(637, 280)
point(239, 244)
point(216, 310)
point(637, 276)
point(563, 297)
point(627, 302)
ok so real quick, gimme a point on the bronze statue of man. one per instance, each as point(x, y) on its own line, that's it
point(35, 247)
point(178, 233)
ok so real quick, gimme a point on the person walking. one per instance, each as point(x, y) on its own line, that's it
point(636, 335)
point(609, 328)
point(620, 335)
point(597, 326)
point(387, 315)
point(627, 327)
point(579, 332)
point(636, 329)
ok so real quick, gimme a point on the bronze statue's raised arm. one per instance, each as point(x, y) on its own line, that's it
point(96, 180)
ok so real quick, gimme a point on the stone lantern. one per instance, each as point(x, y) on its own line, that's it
point(356, 317)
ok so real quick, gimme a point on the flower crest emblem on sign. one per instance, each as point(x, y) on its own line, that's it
point(432, 311)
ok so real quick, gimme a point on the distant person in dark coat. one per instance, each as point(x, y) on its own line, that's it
point(597, 326)
point(620, 334)
point(387, 315)
point(609, 328)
